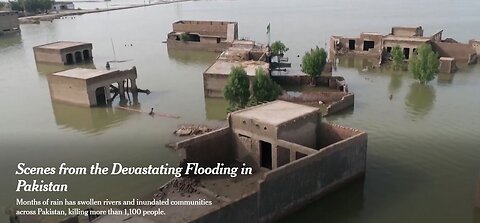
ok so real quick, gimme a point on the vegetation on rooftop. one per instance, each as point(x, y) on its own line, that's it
point(314, 61)
point(237, 90)
point(424, 64)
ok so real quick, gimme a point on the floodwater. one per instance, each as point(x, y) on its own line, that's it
point(424, 144)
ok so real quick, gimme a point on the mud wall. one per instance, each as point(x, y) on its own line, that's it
point(280, 193)
point(209, 149)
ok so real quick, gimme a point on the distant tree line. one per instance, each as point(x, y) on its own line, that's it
point(33, 6)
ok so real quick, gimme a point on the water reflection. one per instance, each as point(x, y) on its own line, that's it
point(395, 83)
point(46, 68)
point(445, 78)
point(87, 120)
point(361, 64)
point(9, 40)
point(216, 108)
point(192, 57)
point(420, 100)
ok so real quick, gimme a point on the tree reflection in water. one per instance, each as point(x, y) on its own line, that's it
point(420, 100)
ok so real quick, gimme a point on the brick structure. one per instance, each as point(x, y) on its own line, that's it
point(63, 52)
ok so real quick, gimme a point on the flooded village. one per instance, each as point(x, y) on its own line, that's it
point(116, 91)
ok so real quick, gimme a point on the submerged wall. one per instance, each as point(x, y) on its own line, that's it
point(280, 192)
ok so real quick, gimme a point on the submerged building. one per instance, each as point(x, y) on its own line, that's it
point(63, 52)
point(285, 143)
point(202, 35)
point(295, 157)
point(408, 39)
point(246, 54)
point(9, 22)
point(89, 87)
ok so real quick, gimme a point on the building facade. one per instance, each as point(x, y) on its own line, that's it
point(9, 22)
point(202, 35)
point(407, 38)
point(63, 52)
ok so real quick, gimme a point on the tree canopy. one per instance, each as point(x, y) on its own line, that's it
point(278, 48)
point(314, 61)
point(397, 57)
point(264, 88)
point(237, 90)
point(424, 64)
point(32, 5)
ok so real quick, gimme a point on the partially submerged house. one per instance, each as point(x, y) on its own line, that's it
point(285, 143)
point(60, 5)
point(408, 38)
point(89, 87)
point(246, 54)
point(296, 159)
point(63, 52)
point(9, 22)
point(202, 35)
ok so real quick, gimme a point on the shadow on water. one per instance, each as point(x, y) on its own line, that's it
point(445, 79)
point(192, 57)
point(395, 83)
point(216, 108)
point(91, 121)
point(10, 40)
point(420, 100)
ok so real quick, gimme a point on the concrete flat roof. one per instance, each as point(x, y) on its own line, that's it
point(62, 45)
point(276, 112)
point(82, 73)
point(223, 67)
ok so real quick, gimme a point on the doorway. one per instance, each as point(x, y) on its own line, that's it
point(351, 44)
point(100, 96)
point(69, 58)
point(86, 55)
point(78, 57)
point(265, 155)
point(406, 51)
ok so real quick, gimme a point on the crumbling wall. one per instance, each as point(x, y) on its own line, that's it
point(463, 53)
point(347, 101)
point(209, 149)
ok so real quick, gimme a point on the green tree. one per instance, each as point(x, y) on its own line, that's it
point(278, 49)
point(237, 90)
point(264, 88)
point(185, 37)
point(314, 61)
point(2, 4)
point(32, 5)
point(17, 5)
point(424, 64)
point(397, 57)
